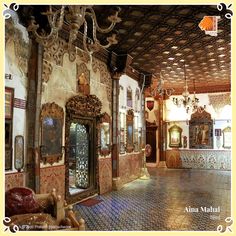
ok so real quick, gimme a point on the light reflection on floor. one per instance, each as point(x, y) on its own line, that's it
point(160, 203)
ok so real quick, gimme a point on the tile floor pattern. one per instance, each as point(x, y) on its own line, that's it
point(159, 203)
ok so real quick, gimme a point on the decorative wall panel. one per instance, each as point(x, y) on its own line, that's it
point(173, 159)
point(105, 175)
point(130, 167)
point(199, 159)
point(53, 177)
point(14, 180)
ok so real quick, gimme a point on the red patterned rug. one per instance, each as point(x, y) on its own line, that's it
point(90, 202)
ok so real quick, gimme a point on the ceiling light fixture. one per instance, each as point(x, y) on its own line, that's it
point(186, 101)
point(76, 16)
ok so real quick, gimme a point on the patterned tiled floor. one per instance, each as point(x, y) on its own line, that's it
point(160, 203)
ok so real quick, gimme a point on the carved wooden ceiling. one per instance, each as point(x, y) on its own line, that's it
point(159, 37)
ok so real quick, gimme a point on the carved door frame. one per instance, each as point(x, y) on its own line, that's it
point(84, 109)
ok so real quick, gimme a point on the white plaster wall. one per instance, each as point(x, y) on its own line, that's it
point(62, 85)
point(18, 82)
point(178, 116)
point(179, 113)
point(126, 82)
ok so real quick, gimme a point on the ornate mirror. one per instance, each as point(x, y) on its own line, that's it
point(105, 134)
point(81, 145)
point(201, 130)
point(129, 97)
point(227, 137)
point(19, 152)
point(52, 117)
point(129, 131)
point(175, 136)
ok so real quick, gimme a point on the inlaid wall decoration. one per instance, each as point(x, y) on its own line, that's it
point(130, 131)
point(137, 100)
point(121, 97)
point(201, 131)
point(227, 137)
point(175, 136)
point(105, 134)
point(122, 122)
point(52, 117)
point(19, 152)
point(129, 97)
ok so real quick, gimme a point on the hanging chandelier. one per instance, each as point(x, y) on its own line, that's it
point(159, 90)
point(76, 16)
point(187, 101)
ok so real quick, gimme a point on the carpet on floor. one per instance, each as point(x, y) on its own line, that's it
point(90, 202)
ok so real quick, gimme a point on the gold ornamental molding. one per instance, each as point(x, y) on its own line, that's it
point(52, 110)
point(219, 101)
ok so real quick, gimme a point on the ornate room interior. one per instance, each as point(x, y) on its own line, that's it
point(118, 117)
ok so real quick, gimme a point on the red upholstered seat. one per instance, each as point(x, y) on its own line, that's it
point(20, 200)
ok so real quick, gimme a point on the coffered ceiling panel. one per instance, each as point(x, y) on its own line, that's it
point(159, 38)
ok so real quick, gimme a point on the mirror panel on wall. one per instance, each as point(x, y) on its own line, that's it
point(105, 134)
point(79, 158)
point(9, 99)
point(19, 152)
point(81, 146)
point(130, 131)
point(201, 130)
point(52, 117)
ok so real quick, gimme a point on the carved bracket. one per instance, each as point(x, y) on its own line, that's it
point(88, 105)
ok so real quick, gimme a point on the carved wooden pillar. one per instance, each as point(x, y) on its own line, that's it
point(32, 116)
point(115, 120)
point(162, 128)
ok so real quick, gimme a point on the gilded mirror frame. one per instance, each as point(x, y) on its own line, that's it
point(175, 136)
point(201, 131)
point(227, 137)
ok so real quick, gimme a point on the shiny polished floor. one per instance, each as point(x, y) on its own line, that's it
point(170, 200)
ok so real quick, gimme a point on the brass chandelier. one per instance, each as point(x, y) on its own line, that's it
point(75, 16)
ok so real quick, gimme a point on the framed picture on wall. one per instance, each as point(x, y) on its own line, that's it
point(9, 98)
point(8, 144)
point(227, 137)
point(175, 135)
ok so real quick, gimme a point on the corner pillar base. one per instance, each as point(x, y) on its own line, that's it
point(162, 164)
point(116, 184)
